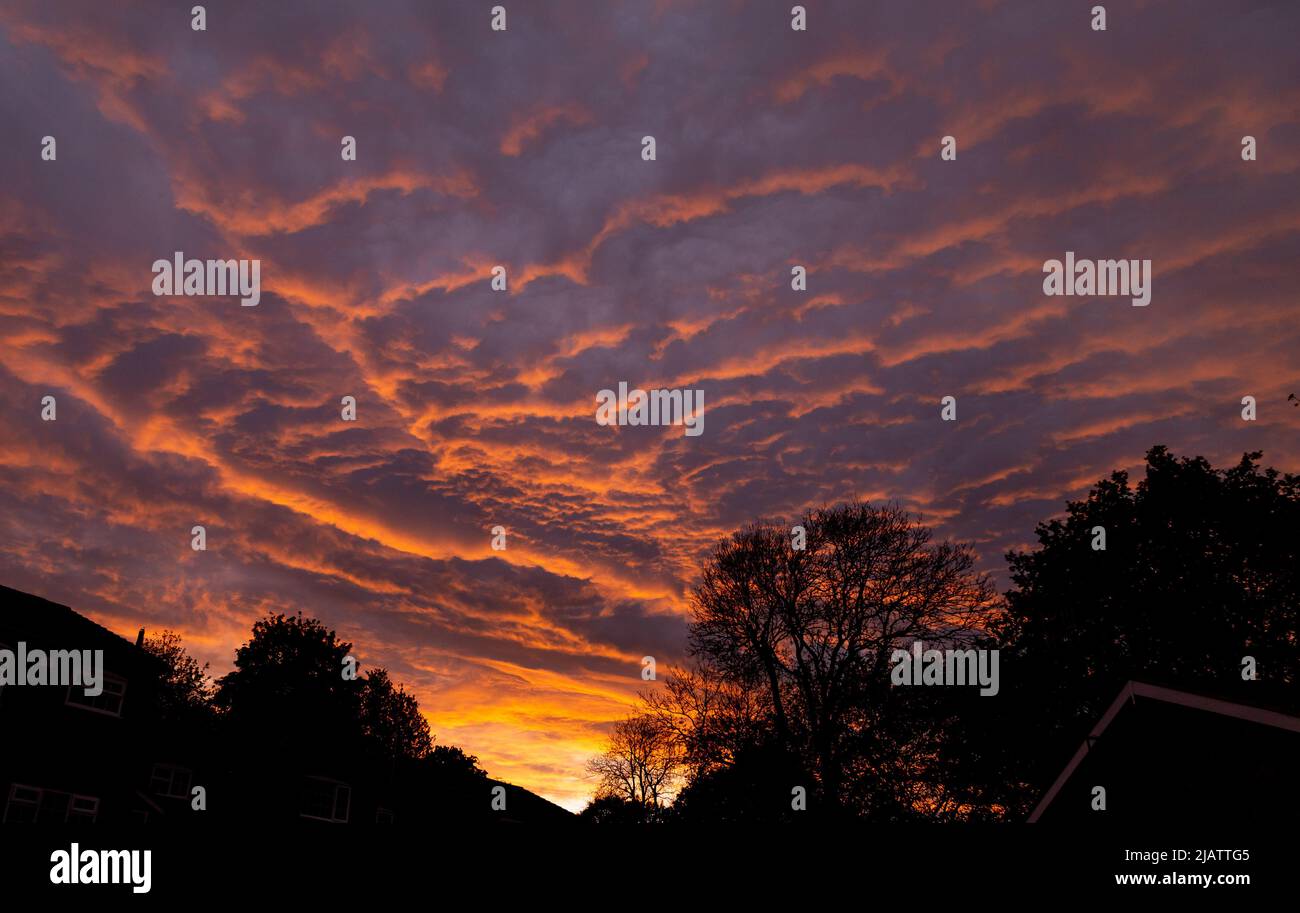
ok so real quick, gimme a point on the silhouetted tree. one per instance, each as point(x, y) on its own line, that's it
point(791, 681)
point(392, 718)
point(288, 686)
point(813, 631)
point(640, 764)
point(184, 688)
point(613, 810)
point(451, 761)
point(1201, 568)
point(712, 718)
point(755, 786)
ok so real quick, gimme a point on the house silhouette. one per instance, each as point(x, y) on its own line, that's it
point(69, 758)
point(1163, 755)
point(116, 758)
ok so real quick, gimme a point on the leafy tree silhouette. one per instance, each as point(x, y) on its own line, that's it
point(391, 718)
point(288, 704)
point(610, 809)
point(451, 762)
point(755, 787)
point(1201, 568)
point(287, 688)
point(184, 689)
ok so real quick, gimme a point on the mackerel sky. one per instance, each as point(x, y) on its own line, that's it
point(775, 148)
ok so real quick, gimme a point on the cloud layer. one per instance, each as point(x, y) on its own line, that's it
point(476, 408)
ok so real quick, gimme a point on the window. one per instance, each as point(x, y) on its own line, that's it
point(171, 781)
point(83, 809)
point(383, 816)
point(109, 702)
point(28, 804)
point(24, 803)
point(326, 800)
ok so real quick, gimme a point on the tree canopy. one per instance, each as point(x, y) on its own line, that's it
point(1188, 578)
point(1201, 568)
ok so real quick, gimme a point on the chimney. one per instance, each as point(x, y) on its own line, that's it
point(139, 638)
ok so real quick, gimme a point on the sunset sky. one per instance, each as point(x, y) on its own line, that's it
point(476, 408)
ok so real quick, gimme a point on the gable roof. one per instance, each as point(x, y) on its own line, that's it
point(26, 614)
point(1129, 695)
point(15, 602)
